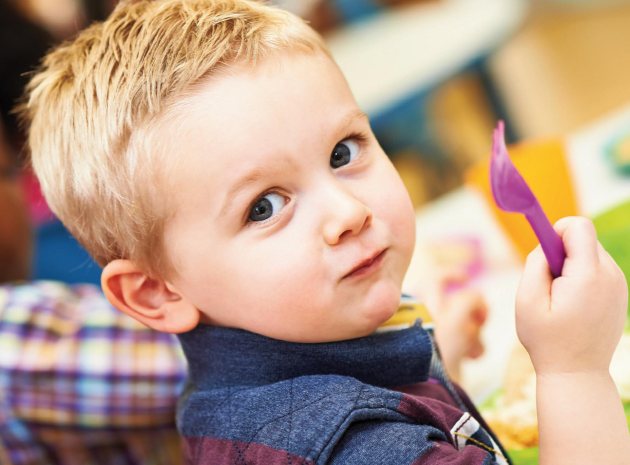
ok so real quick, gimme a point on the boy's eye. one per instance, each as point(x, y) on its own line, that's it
point(266, 206)
point(343, 153)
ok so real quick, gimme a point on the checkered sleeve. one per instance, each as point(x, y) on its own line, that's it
point(81, 383)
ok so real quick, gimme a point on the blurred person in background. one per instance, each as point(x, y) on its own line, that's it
point(80, 383)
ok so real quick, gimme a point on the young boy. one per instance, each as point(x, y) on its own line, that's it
point(210, 155)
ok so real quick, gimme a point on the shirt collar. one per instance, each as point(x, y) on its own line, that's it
point(226, 357)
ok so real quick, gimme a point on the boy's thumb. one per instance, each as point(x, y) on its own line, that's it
point(580, 240)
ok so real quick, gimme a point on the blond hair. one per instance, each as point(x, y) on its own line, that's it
point(91, 105)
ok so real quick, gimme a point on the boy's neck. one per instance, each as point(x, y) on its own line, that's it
point(224, 357)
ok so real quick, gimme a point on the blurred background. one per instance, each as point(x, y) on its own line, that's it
point(434, 76)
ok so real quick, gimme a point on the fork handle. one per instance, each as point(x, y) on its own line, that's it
point(550, 240)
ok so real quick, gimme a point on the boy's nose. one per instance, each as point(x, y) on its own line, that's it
point(347, 216)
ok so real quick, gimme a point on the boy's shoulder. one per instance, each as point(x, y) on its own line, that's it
point(300, 417)
point(247, 411)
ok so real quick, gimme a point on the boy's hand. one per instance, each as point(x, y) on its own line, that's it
point(459, 312)
point(458, 325)
point(573, 323)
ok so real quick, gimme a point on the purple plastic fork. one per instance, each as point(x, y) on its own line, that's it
point(512, 194)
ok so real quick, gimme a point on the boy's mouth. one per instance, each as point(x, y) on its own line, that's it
point(367, 266)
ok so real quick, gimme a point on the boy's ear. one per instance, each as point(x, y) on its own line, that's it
point(151, 301)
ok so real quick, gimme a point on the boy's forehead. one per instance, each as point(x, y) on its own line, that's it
point(249, 118)
point(295, 67)
point(286, 90)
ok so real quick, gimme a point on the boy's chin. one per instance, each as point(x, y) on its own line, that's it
point(380, 306)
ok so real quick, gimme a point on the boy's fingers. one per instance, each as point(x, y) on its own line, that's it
point(536, 279)
point(580, 239)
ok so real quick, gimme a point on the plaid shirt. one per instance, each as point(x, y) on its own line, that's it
point(83, 384)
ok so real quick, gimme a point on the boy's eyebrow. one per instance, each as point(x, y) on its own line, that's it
point(251, 178)
point(354, 115)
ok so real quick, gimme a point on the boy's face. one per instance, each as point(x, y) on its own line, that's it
point(290, 220)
